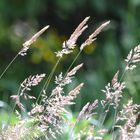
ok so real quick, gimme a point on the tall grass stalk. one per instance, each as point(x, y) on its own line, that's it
point(46, 84)
point(8, 66)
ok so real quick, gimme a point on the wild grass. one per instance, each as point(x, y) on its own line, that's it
point(49, 117)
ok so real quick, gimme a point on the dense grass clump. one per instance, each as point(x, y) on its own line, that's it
point(49, 116)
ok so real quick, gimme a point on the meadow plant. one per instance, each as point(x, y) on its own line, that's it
point(49, 115)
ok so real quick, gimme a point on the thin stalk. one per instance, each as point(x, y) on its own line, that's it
point(72, 63)
point(15, 103)
point(114, 121)
point(45, 86)
point(104, 116)
point(101, 115)
point(52, 73)
point(8, 66)
point(13, 107)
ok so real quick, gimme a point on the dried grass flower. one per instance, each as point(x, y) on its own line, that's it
point(26, 86)
point(70, 44)
point(113, 92)
point(86, 111)
point(92, 37)
point(132, 58)
point(31, 41)
point(127, 116)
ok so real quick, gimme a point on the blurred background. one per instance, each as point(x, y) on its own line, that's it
point(20, 19)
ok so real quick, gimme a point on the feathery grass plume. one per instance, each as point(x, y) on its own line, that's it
point(14, 132)
point(113, 92)
point(92, 37)
point(85, 114)
point(26, 86)
point(52, 116)
point(24, 49)
point(21, 131)
point(51, 113)
point(86, 111)
point(70, 44)
point(73, 94)
point(64, 80)
point(114, 89)
point(36, 109)
point(132, 58)
point(74, 70)
point(91, 132)
point(16, 98)
point(31, 41)
point(31, 81)
point(127, 116)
